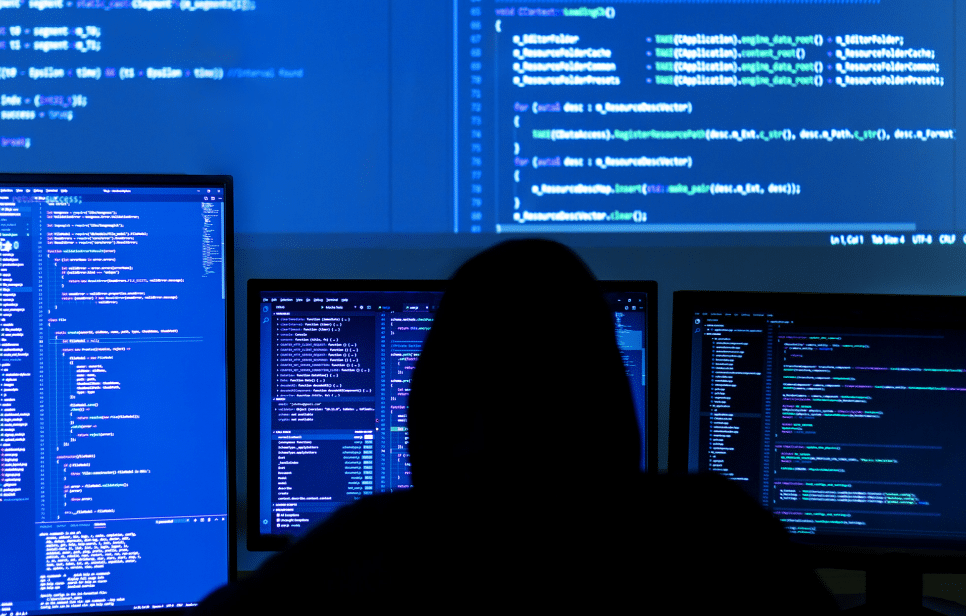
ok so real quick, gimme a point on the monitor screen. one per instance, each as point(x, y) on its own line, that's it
point(114, 405)
point(840, 414)
point(672, 122)
point(329, 371)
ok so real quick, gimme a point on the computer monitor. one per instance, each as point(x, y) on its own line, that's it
point(329, 368)
point(842, 415)
point(114, 441)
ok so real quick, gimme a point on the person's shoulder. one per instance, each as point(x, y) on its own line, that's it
point(706, 518)
point(712, 513)
point(352, 530)
point(326, 565)
point(702, 493)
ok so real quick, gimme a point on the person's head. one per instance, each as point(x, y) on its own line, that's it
point(520, 382)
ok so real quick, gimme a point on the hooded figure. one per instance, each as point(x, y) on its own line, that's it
point(524, 452)
point(520, 386)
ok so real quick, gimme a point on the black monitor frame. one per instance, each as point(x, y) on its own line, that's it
point(143, 180)
point(926, 312)
point(257, 541)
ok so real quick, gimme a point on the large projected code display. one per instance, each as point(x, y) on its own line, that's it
point(68, 65)
point(203, 87)
point(827, 118)
point(671, 123)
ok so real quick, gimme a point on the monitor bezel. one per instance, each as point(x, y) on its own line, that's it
point(876, 309)
point(175, 181)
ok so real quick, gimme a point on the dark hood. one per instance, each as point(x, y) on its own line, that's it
point(520, 383)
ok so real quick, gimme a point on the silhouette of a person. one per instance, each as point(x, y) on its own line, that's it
point(525, 452)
